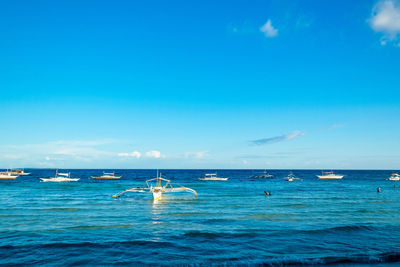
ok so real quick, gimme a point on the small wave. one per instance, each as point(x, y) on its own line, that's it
point(215, 235)
point(380, 201)
point(276, 215)
point(221, 220)
point(99, 227)
point(356, 259)
point(345, 228)
point(294, 205)
point(60, 245)
point(349, 228)
point(182, 214)
point(60, 209)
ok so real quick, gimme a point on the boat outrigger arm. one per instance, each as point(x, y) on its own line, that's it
point(158, 188)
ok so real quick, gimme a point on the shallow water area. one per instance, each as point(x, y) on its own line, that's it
point(231, 222)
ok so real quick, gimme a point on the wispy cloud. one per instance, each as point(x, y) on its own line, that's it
point(154, 154)
point(277, 139)
point(269, 30)
point(133, 154)
point(385, 19)
point(80, 150)
point(196, 155)
point(336, 126)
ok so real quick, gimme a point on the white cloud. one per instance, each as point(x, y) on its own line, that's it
point(196, 155)
point(268, 29)
point(154, 154)
point(133, 154)
point(385, 19)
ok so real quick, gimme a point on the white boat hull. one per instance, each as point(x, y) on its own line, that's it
point(59, 179)
point(157, 194)
point(330, 176)
point(213, 179)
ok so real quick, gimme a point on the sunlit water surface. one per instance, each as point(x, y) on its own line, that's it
point(230, 223)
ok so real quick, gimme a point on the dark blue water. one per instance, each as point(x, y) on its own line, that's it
point(230, 223)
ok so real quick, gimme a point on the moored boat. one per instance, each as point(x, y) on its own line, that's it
point(212, 177)
point(263, 175)
point(157, 186)
point(107, 176)
point(330, 175)
point(7, 175)
point(291, 177)
point(19, 172)
point(60, 177)
point(394, 177)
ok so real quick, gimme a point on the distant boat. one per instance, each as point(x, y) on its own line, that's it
point(60, 177)
point(212, 177)
point(291, 177)
point(19, 172)
point(107, 176)
point(330, 175)
point(263, 175)
point(7, 175)
point(394, 177)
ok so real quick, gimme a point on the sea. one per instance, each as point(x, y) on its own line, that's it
point(310, 222)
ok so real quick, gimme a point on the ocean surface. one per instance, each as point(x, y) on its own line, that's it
point(340, 222)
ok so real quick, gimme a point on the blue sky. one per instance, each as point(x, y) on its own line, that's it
point(200, 84)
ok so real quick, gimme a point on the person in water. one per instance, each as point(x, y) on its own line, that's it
point(378, 190)
point(267, 193)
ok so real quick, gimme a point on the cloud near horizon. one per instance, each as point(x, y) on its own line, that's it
point(133, 154)
point(277, 139)
point(196, 155)
point(385, 19)
point(154, 154)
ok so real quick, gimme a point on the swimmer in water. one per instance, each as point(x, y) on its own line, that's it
point(267, 193)
point(378, 190)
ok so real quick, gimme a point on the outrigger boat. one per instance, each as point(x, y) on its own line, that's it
point(7, 175)
point(263, 175)
point(394, 177)
point(157, 186)
point(291, 177)
point(212, 177)
point(330, 175)
point(107, 176)
point(60, 177)
point(19, 172)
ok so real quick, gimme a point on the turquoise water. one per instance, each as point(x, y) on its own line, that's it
point(233, 222)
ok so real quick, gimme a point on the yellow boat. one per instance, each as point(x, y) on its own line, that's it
point(107, 176)
point(7, 175)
